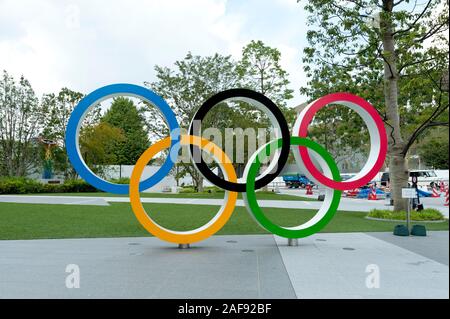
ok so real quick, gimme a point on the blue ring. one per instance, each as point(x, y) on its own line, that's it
point(96, 97)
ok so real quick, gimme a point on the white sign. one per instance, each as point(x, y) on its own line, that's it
point(409, 193)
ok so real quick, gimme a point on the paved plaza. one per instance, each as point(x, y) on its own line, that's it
point(251, 266)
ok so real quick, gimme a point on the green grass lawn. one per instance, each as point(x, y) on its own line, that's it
point(32, 221)
point(261, 195)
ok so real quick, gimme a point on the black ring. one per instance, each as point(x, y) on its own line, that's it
point(272, 107)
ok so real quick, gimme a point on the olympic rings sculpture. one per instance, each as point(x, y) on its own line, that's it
point(306, 152)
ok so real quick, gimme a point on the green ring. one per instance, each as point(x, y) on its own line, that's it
point(255, 210)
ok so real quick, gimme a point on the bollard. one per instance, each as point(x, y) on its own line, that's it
point(446, 198)
point(442, 187)
point(309, 190)
point(388, 200)
point(293, 242)
point(435, 193)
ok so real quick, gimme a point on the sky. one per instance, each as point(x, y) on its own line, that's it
point(86, 44)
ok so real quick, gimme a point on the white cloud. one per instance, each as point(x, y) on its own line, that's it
point(87, 43)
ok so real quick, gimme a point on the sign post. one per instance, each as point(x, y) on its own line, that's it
point(408, 215)
point(408, 193)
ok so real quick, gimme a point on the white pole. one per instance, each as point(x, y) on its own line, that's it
point(408, 215)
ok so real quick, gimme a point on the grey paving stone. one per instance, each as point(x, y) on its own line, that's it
point(250, 267)
point(324, 269)
point(435, 246)
point(53, 200)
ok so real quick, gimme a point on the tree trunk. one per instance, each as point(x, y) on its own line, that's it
point(398, 172)
point(200, 184)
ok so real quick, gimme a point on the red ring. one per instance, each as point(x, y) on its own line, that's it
point(303, 132)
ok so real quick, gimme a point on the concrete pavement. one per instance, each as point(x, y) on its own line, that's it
point(220, 267)
point(434, 246)
point(346, 265)
point(349, 266)
point(57, 200)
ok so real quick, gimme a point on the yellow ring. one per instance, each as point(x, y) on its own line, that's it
point(201, 233)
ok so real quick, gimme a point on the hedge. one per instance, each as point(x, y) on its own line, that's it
point(206, 190)
point(428, 214)
point(19, 185)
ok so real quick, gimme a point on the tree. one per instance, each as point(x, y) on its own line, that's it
point(185, 88)
point(341, 133)
point(20, 119)
point(58, 109)
point(98, 144)
point(124, 115)
point(197, 78)
point(392, 53)
point(434, 150)
point(262, 72)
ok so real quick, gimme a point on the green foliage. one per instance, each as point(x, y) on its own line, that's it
point(58, 109)
point(206, 190)
point(192, 81)
point(123, 180)
point(345, 53)
point(392, 53)
point(342, 133)
point(428, 214)
point(76, 186)
point(434, 150)
point(125, 116)
point(188, 190)
point(195, 78)
point(21, 185)
point(20, 119)
point(98, 145)
point(262, 71)
point(214, 190)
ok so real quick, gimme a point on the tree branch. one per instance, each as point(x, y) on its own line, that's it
point(427, 124)
point(398, 2)
point(414, 63)
point(387, 62)
point(434, 30)
point(419, 132)
point(347, 12)
point(410, 26)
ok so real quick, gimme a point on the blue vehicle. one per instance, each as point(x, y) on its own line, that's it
point(296, 181)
